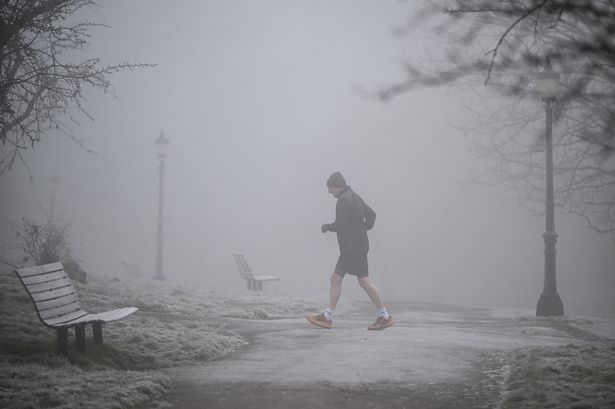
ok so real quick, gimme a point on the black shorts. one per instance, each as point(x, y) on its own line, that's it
point(352, 263)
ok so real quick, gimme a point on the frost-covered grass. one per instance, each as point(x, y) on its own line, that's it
point(64, 385)
point(173, 326)
point(566, 377)
point(160, 297)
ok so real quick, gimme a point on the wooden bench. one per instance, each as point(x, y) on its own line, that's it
point(57, 305)
point(254, 282)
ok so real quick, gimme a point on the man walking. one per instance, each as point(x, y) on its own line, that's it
point(352, 220)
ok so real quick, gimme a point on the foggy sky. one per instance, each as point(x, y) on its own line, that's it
point(260, 103)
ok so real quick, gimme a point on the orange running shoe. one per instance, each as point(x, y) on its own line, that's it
point(381, 323)
point(319, 320)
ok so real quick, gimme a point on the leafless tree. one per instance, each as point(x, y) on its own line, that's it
point(504, 44)
point(40, 84)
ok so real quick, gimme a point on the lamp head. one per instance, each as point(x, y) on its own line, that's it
point(162, 144)
point(548, 82)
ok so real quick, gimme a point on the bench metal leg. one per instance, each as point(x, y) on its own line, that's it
point(63, 340)
point(260, 286)
point(250, 284)
point(97, 332)
point(80, 337)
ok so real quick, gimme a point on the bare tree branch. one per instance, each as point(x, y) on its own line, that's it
point(38, 85)
point(503, 44)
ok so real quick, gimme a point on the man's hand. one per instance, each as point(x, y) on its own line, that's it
point(324, 228)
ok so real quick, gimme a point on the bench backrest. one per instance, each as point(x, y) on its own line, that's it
point(242, 266)
point(52, 292)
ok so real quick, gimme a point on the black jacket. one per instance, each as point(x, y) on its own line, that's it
point(352, 220)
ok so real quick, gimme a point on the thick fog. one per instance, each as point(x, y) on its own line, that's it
point(261, 102)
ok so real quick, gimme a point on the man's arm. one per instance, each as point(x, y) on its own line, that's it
point(370, 216)
point(343, 212)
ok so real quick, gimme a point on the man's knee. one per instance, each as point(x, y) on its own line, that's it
point(336, 279)
point(365, 282)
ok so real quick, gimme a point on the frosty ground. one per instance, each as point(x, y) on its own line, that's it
point(191, 349)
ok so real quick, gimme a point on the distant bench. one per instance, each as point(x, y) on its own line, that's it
point(254, 282)
point(58, 307)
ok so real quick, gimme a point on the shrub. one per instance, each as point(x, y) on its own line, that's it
point(47, 242)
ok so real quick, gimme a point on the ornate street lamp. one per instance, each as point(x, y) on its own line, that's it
point(162, 144)
point(550, 303)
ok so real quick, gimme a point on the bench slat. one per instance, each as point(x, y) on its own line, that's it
point(265, 278)
point(45, 268)
point(242, 265)
point(64, 321)
point(50, 285)
point(57, 302)
point(241, 259)
point(48, 295)
point(43, 277)
point(107, 315)
point(60, 311)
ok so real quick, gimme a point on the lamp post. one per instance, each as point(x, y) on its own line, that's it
point(161, 145)
point(55, 182)
point(549, 303)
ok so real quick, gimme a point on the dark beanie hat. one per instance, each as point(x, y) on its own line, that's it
point(337, 180)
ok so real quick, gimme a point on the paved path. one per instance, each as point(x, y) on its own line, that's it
point(434, 357)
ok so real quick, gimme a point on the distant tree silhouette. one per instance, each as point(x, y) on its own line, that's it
point(40, 84)
point(504, 44)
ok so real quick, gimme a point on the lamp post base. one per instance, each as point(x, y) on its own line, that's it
point(549, 305)
point(159, 277)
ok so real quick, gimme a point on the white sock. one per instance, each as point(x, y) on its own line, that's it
point(384, 313)
point(328, 313)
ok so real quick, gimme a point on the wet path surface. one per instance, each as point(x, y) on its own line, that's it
point(434, 357)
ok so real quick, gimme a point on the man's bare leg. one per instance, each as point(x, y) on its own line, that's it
point(335, 291)
point(324, 319)
point(384, 319)
point(371, 291)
